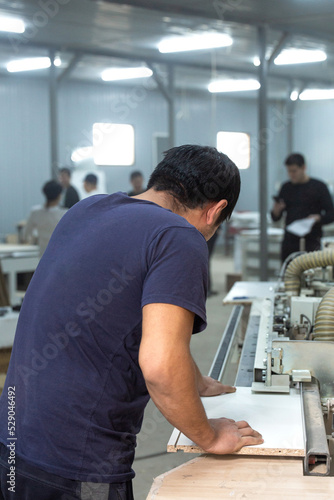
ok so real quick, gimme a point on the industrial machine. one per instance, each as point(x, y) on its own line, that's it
point(278, 350)
point(289, 343)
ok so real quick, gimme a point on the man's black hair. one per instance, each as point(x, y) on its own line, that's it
point(195, 175)
point(295, 159)
point(91, 179)
point(52, 190)
point(136, 173)
point(65, 170)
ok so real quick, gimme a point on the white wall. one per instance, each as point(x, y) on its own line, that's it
point(24, 148)
point(25, 142)
point(313, 137)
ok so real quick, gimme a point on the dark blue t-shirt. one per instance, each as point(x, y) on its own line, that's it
point(80, 393)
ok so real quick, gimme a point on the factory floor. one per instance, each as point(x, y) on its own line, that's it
point(151, 457)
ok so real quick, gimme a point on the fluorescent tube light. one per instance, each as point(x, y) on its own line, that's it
point(28, 64)
point(195, 42)
point(11, 25)
point(316, 94)
point(294, 95)
point(113, 74)
point(233, 85)
point(299, 56)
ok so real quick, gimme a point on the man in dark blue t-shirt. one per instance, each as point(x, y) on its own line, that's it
point(106, 323)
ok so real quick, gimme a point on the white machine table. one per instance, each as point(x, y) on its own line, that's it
point(17, 259)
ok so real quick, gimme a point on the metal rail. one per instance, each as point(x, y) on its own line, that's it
point(220, 359)
point(317, 456)
point(245, 375)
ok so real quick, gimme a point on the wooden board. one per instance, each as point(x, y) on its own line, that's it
point(278, 417)
point(238, 477)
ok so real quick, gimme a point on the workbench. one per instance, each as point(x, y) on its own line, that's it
point(17, 259)
point(211, 477)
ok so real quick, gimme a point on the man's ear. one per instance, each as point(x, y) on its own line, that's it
point(214, 210)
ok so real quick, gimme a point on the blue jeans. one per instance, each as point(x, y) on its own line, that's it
point(31, 483)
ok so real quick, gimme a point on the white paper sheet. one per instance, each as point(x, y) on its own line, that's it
point(300, 227)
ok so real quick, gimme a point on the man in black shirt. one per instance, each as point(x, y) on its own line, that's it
point(299, 198)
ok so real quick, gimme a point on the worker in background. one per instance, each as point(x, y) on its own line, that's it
point(137, 182)
point(69, 195)
point(106, 323)
point(90, 185)
point(43, 219)
point(302, 197)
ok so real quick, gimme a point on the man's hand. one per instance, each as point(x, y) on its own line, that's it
point(231, 436)
point(316, 217)
point(278, 208)
point(211, 387)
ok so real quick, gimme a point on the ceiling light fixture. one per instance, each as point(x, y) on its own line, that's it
point(294, 95)
point(11, 25)
point(233, 85)
point(256, 61)
point(28, 64)
point(299, 56)
point(316, 94)
point(113, 74)
point(194, 42)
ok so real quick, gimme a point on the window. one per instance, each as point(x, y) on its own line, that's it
point(236, 145)
point(113, 144)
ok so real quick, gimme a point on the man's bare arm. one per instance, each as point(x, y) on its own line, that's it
point(172, 381)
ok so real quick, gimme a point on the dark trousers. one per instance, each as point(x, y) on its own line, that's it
point(291, 243)
point(31, 483)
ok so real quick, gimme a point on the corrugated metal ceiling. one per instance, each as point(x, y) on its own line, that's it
point(105, 32)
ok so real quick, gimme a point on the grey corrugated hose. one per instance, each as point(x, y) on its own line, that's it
point(310, 260)
point(324, 318)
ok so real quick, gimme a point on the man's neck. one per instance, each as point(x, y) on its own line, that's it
point(161, 198)
point(304, 179)
point(51, 204)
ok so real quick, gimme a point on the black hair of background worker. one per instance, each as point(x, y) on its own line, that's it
point(90, 185)
point(301, 197)
point(106, 323)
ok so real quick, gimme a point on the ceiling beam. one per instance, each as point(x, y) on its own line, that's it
point(279, 47)
point(157, 78)
point(70, 68)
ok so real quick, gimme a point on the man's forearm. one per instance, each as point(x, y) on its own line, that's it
point(173, 381)
point(177, 397)
point(199, 378)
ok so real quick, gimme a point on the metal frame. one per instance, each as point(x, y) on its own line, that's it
point(224, 348)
